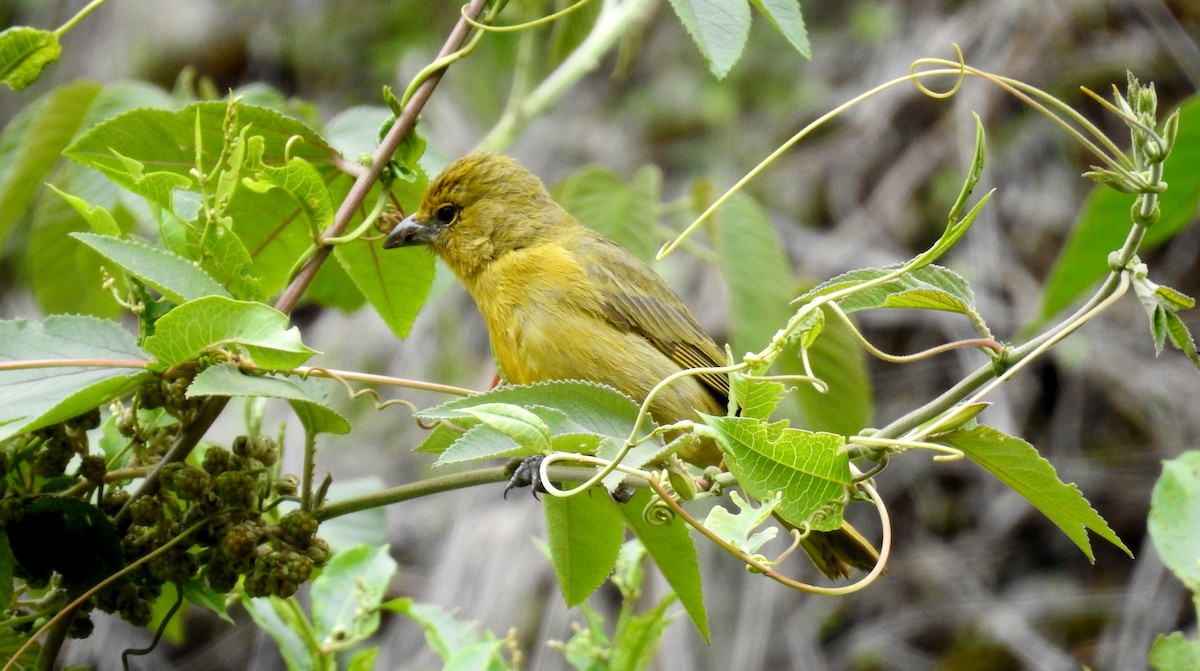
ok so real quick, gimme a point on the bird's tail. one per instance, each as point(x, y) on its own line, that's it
point(834, 553)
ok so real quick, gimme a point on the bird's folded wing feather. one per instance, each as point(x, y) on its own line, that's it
point(637, 300)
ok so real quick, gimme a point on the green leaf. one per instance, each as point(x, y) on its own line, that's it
point(32, 143)
point(932, 287)
point(756, 397)
point(755, 269)
point(837, 358)
point(100, 219)
point(307, 398)
point(11, 640)
point(585, 533)
point(526, 428)
point(636, 641)
point(580, 416)
point(718, 27)
point(625, 212)
point(1104, 221)
point(354, 131)
point(785, 16)
point(31, 398)
point(744, 529)
point(1175, 516)
point(285, 622)
point(957, 226)
point(591, 407)
point(395, 281)
point(760, 283)
point(153, 151)
point(298, 178)
point(808, 468)
point(506, 430)
point(363, 660)
point(24, 53)
point(1181, 337)
point(176, 278)
point(445, 635)
point(671, 547)
point(1174, 652)
point(215, 322)
point(66, 277)
point(1017, 464)
point(347, 594)
point(198, 593)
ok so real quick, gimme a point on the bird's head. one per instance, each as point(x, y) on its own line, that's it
point(481, 207)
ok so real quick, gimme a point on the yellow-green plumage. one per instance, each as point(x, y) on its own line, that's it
point(560, 301)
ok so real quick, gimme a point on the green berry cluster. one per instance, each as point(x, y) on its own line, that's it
point(56, 444)
point(224, 496)
point(217, 521)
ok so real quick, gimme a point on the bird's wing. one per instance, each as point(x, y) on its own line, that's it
point(635, 299)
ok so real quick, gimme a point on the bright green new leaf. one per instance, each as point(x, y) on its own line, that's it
point(347, 593)
point(591, 407)
point(1175, 516)
point(585, 533)
point(1104, 220)
point(176, 278)
point(24, 53)
point(215, 322)
point(1017, 464)
point(625, 212)
point(744, 529)
point(516, 422)
point(306, 397)
point(671, 547)
point(809, 468)
point(152, 151)
point(718, 27)
point(31, 398)
point(100, 219)
point(785, 16)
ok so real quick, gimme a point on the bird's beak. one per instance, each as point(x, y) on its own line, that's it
point(408, 233)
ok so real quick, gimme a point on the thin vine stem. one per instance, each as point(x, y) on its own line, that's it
point(405, 122)
point(79, 16)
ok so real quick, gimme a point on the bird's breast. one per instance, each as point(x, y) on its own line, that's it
point(539, 308)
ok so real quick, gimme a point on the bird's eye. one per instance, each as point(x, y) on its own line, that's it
point(446, 214)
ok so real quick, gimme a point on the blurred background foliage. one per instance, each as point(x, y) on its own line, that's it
point(978, 579)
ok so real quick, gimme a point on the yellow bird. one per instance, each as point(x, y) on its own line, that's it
point(562, 302)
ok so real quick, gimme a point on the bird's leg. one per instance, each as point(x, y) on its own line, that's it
point(528, 473)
